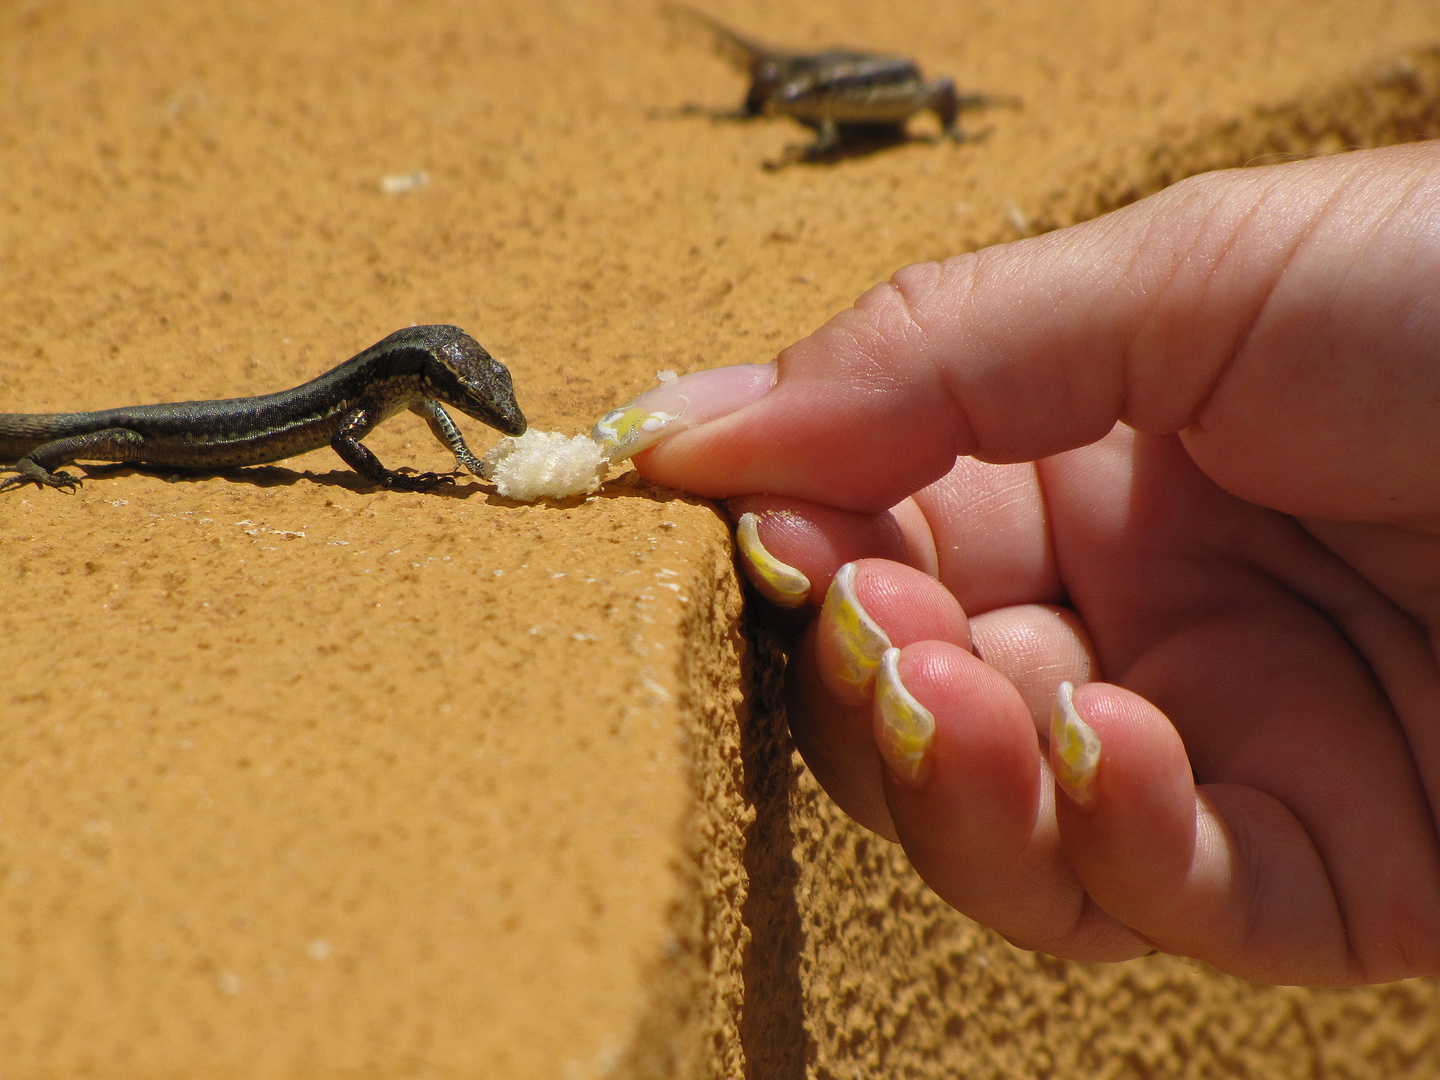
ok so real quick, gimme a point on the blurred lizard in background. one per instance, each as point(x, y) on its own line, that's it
point(848, 98)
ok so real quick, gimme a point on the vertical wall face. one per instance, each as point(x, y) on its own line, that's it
point(299, 778)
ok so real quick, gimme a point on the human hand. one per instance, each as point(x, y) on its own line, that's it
point(1198, 476)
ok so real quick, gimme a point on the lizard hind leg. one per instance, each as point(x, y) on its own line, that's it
point(39, 466)
point(27, 472)
point(358, 423)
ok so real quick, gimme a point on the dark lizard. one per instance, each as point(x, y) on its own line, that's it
point(846, 97)
point(421, 369)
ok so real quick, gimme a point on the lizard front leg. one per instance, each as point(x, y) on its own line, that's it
point(38, 467)
point(827, 139)
point(442, 426)
point(357, 424)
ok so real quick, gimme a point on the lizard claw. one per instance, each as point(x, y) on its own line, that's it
point(40, 478)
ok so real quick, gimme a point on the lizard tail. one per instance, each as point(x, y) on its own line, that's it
point(745, 53)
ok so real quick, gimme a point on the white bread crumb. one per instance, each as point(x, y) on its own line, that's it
point(545, 464)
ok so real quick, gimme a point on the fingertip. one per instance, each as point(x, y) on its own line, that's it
point(832, 679)
point(836, 742)
point(783, 585)
point(904, 728)
point(850, 644)
point(827, 430)
point(679, 404)
point(969, 797)
point(1127, 814)
point(1036, 647)
point(790, 550)
point(1074, 749)
point(872, 605)
point(982, 759)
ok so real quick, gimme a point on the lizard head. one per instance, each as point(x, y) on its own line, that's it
point(458, 371)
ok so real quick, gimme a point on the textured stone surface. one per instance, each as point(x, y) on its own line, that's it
point(301, 779)
point(898, 986)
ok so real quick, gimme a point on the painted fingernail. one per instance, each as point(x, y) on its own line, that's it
point(861, 640)
point(1074, 748)
point(778, 582)
point(678, 404)
point(906, 727)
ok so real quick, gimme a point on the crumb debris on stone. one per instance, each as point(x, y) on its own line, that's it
point(400, 183)
point(546, 464)
point(1017, 218)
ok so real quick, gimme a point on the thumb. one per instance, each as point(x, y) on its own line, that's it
point(1192, 311)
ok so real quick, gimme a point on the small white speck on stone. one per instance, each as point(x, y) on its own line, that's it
point(665, 376)
point(400, 183)
point(546, 464)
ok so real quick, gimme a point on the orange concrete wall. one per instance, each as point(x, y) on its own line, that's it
point(301, 779)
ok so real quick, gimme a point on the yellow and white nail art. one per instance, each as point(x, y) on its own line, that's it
point(907, 728)
point(861, 640)
point(625, 431)
point(778, 582)
point(1074, 748)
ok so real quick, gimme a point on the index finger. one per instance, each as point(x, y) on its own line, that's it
point(1189, 306)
